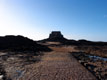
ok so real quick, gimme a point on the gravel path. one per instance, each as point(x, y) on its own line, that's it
point(56, 66)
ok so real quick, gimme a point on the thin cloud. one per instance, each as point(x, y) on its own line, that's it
point(105, 16)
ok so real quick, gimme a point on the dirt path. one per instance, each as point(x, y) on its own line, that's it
point(56, 66)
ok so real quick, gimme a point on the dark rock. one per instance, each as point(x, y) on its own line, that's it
point(56, 34)
point(20, 43)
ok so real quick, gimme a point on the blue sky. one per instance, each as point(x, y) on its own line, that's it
point(76, 19)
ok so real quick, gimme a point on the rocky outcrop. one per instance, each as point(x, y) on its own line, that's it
point(20, 43)
point(95, 64)
point(56, 34)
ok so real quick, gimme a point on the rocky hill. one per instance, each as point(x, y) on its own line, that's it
point(55, 36)
point(84, 43)
point(20, 43)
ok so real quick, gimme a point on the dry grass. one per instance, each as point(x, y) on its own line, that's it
point(63, 48)
point(94, 50)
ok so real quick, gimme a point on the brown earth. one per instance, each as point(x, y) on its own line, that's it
point(56, 65)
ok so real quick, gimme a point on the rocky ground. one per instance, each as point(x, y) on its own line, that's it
point(55, 65)
point(12, 64)
point(96, 65)
point(94, 50)
point(21, 59)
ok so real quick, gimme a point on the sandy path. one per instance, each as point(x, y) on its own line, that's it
point(57, 66)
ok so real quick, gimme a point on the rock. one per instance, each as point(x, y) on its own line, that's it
point(20, 43)
point(56, 36)
point(1, 77)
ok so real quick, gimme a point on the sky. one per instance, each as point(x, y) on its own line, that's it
point(76, 19)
